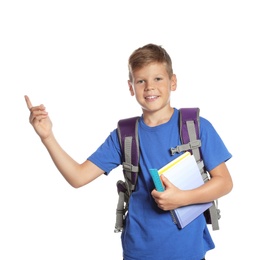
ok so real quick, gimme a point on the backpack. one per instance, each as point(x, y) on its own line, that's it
point(128, 138)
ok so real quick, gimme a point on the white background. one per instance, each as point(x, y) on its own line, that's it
point(72, 57)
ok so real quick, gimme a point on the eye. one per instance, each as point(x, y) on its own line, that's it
point(140, 81)
point(158, 79)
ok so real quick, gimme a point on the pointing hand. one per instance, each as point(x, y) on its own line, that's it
point(39, 119)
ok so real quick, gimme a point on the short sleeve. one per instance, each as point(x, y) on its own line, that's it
point(108, 155)
point(213, 149)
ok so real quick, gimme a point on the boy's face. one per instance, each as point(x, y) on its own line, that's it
point(152, 86)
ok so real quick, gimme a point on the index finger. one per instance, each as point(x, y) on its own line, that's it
point(29, 105)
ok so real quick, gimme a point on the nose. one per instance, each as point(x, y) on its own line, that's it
point(149, 86)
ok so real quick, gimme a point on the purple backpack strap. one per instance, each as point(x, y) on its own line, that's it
point(129, 144)
point(189, 132)
point(188, 114)
point(128, 136)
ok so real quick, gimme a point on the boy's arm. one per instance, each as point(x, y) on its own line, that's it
point(219, 185)
point(76, 174)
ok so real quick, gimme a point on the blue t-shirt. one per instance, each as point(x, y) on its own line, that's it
point(149, 232)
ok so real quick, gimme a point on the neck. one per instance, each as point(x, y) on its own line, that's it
point(157, 118)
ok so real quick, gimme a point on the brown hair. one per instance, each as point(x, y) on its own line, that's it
point(148, 54)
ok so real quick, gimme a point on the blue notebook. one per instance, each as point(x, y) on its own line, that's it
point(184, 173)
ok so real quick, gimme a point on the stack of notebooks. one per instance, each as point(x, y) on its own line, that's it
point(184, 173)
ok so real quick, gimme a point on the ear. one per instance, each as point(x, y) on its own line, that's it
point(173, 82)
point(131, 89)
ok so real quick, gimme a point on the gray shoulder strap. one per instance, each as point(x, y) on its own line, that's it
point(189, 133)
point(129, 144)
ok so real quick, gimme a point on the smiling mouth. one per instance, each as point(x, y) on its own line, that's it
point(151, 97)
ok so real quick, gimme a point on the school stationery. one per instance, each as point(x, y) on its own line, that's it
point(184, 173)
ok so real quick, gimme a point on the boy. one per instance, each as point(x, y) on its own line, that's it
point(148, 231)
